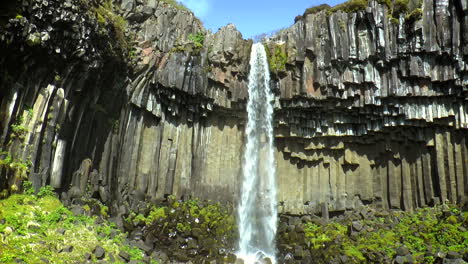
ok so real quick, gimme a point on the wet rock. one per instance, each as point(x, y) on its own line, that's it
point(239, 261)
point(402, 251)
point(124, 255)
point(357, 226)
point(99, 252)
point(66, 249)
point(453, 255)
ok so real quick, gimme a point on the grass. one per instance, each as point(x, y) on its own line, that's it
point(316, 9)
point(37, 227)
point(178, 5)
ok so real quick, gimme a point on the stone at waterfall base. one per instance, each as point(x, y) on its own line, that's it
point(263, 261)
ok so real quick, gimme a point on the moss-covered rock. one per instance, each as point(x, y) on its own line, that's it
point(34, 229)
point(190, 229)
point(379, 239)
point(316, 9)
point(277, 57)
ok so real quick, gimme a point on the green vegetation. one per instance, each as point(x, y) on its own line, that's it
point(316, 9)
point(277, 57)
point(178, 5)
point(396, 8)
point(442, 228)
point(114, 26)
point(197, 39)
point(212, 216)
point(349, 6)
point(414, 15)
point(18, 129)
point(40, 227)
point(211, 224)
point(16, 170)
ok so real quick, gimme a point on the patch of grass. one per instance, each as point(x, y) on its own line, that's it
point(38, 227)
point(316, 9)
point(178, 5)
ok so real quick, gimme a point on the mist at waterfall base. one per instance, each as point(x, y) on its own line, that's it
point(258, 206)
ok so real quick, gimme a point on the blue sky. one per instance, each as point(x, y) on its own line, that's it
point(251, 17)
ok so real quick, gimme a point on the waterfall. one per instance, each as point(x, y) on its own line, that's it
point(257, 206)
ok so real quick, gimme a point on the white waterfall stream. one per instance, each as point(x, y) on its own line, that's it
point(258, 206)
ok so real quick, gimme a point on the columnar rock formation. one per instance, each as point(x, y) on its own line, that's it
point(367, 111)
point(372, 111)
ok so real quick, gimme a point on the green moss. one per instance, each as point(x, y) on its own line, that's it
point(388, 3)
point(157, 213)
point(277, 57)
point(414, 15)
point(178, 5)
point(16, 171)
point(31, 232)
point(349, 6)
point(197, 39)
point(435, 227)
point(114, 26)
point(316, 9)
point(400, 7)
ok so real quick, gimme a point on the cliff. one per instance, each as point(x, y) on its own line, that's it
point(369, 110)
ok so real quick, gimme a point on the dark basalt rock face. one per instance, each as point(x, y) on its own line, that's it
point(367, 111)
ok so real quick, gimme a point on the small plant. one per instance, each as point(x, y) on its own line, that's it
point(197, 39)
point(46, 191)
point(28, 187)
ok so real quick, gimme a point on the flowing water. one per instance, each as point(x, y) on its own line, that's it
point(258, 206)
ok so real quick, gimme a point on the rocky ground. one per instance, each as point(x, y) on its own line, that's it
point(39, 228)
point(428, 235)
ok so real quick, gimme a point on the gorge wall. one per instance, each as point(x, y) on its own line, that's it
point(368, 111)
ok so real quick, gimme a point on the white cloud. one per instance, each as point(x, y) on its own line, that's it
point(199, 7)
